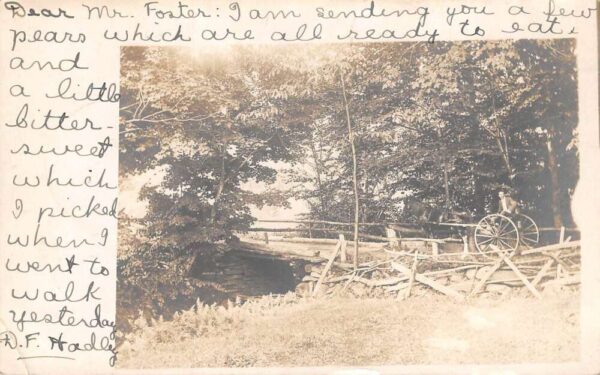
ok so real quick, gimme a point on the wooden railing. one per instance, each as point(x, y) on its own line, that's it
point(391, 235)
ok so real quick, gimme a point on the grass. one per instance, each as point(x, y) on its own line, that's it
point(292, 331)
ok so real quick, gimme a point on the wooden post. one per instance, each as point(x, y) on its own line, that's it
point(413, 273)
point(435, 249)
point(554, 247)
point(465, 239)
point(559, 271)
point(391, 234)
point(327, 267)
point(562, 235)
point(266, 236)
point(343, 255)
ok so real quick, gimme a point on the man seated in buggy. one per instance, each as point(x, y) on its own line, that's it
point(506, 205)
point(509, 207)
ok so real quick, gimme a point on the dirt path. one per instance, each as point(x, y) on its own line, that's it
point(421, 330)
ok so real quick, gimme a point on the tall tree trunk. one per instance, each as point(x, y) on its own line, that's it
point(446, 184)
point(502, 146)
point(502, 142)
point(354, 171)
point(219, 191)
point(554, 184)
point(445, 170)
point(319, 171)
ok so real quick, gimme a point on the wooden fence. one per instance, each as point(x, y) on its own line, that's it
point(391, 237)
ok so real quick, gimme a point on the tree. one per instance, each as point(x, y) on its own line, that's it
point(211, 127)
point(454, 122)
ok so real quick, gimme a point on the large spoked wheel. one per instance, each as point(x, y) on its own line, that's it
point(496, 235)
point(529, 232)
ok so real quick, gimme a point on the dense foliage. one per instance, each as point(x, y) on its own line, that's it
point(448, 123)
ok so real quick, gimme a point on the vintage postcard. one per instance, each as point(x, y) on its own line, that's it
point(362, 187)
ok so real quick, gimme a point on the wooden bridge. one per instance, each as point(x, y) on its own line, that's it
point(267, 260)
point(396, 233)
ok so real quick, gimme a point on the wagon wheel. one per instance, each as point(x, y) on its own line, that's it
point(529, 232)
point(496, 234)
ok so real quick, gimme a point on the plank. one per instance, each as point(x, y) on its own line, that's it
point(561, 262)
point(429, 282)
point(558, 246)
point(327, 267)
point(450, 270)
point(347, 283)
point(411, 278)
point(334, 222)
point(485, 278)
point(522, 277)
point(424, 239)
point(256, 250)
point(542, 272)
point(318, 241)
point(343, 257)
point(367, 282)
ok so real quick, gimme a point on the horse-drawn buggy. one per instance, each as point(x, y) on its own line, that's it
point(491, 235)
point(496, 234)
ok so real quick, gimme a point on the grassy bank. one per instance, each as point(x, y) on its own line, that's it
point(290, 331)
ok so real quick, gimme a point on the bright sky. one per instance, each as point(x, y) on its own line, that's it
point(130, 188)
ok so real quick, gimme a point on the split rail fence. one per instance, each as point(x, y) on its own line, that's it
point(404, 272)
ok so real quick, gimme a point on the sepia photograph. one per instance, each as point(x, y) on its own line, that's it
point(348, 204)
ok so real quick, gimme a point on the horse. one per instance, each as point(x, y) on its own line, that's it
point(428, 217)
